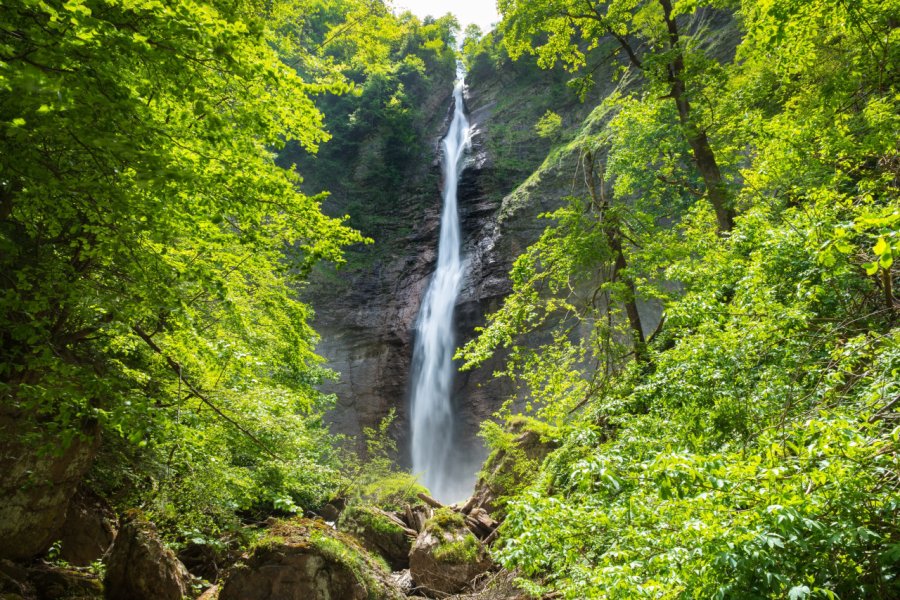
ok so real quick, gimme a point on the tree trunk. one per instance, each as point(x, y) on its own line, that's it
point(634, 317)
point(704, 156)
point(614, 239)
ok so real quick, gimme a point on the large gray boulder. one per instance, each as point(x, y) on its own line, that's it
point(446, 556)
point(140, 567)
point(303, 559)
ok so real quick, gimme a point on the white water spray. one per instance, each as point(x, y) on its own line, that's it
point(432, 373)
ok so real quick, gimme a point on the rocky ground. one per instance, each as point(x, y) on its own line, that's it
point(359, 551)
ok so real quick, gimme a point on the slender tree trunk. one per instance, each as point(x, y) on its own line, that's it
point(704, 156)
point(631, 310)
point(614, 239)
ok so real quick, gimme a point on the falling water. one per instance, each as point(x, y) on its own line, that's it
point(432, 377)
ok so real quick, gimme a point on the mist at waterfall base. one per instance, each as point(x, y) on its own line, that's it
point(434, 455)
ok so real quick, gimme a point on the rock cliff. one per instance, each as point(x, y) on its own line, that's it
point(366, 311)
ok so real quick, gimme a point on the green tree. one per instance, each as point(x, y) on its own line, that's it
point(149, 246)
point(648, 34)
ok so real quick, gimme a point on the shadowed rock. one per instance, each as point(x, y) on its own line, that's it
point(446, 556)
point(139, 567)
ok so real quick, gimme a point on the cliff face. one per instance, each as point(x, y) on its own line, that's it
point(368, 328)
point(366, 312)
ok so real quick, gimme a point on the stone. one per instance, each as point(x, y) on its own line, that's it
point(52, 583)
point(379, 532)
point(446, 557)
point(44, 581)
point(140, 567)
point(508, 468)
point(14, 581)
point(404, 581)
point(39, 478)
point(89, 529)
point(304, 559)
point(330, 512)
point(209, 559)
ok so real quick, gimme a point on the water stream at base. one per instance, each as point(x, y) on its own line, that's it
point(433, 421)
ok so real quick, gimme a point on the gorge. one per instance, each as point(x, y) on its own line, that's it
point(285, 312)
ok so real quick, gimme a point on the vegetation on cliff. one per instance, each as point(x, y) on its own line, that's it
point(743, 445)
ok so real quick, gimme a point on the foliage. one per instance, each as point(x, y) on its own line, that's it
point(753, 452)
point(548, 126)
point(401, 71)
point(375, 479)
point(518, 447)
point(151, 248)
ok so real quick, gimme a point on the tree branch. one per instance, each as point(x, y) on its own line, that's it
point(176, 367)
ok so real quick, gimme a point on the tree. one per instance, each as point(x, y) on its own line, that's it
point(150, 246)
point(648, 34)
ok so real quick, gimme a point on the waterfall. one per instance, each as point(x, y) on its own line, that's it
point(432, 373)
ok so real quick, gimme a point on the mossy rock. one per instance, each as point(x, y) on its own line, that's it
point(303, 559)
point(446, 557)
point(378, 533)
point(518, 452)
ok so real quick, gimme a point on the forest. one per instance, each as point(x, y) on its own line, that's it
point(677, 344)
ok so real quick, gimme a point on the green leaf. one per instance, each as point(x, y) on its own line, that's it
point(799, 592)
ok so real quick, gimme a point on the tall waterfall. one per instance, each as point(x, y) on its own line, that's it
point(432, 373)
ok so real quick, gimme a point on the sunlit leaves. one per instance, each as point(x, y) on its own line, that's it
point(138, 190)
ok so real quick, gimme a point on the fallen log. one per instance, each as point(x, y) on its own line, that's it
point(429, 500)
point(416, 516)
point(396, 521)
point(469, 505)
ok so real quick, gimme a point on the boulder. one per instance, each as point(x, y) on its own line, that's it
point(379, 532)
point(89, 529)
point(140, 567)
point(404, 581)
point(39, 478)
point(303, 559)
point(43, 581)
point(52, 583)
point(527, 442)
point(446, 557)
point(14, 583)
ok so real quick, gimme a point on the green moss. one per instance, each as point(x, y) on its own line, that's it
point(394, 491)
point(361, 564)
point(518, 447)
point(369, 571)
point(362, 517)
point(458, 551)
point(443, 520)
point(268, 542)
